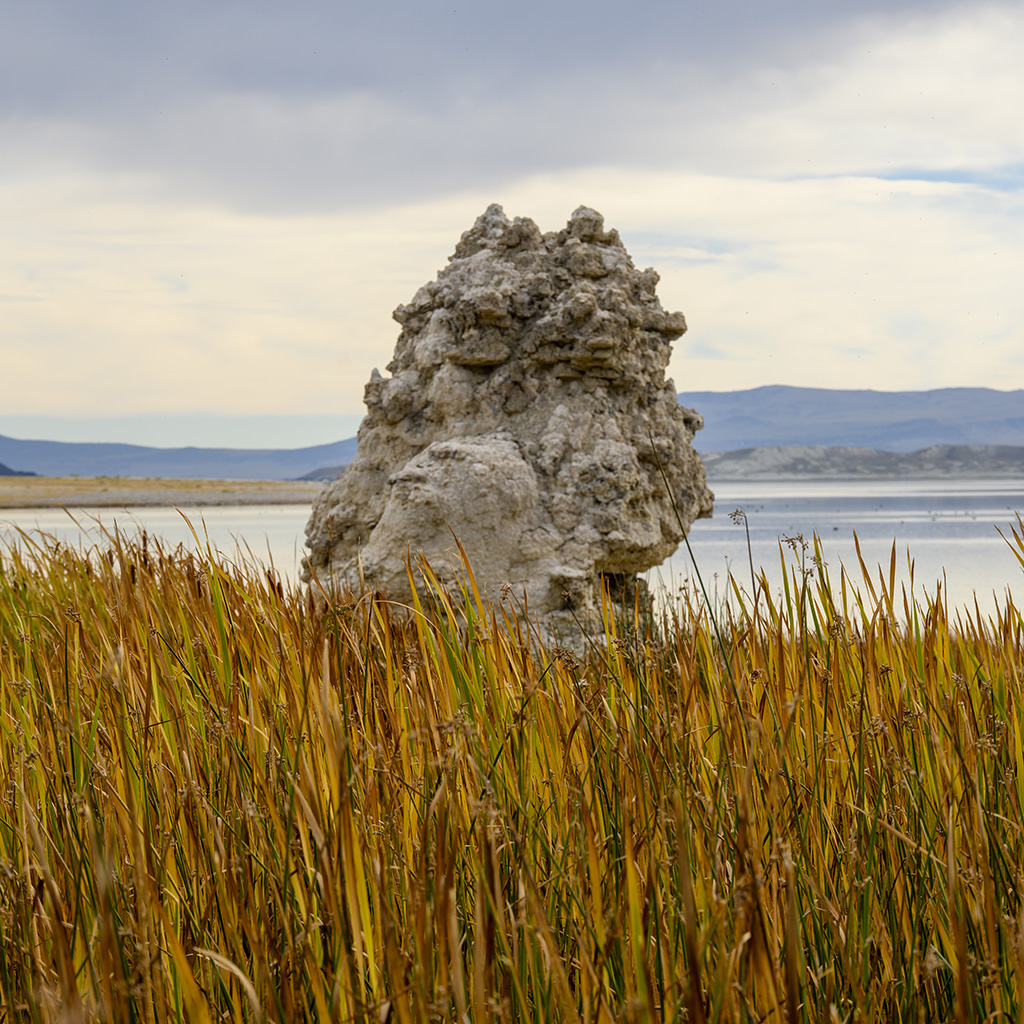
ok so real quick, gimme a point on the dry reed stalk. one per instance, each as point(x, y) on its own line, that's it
point(224, 798)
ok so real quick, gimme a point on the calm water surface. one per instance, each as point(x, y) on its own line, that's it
point(949, 530)
point(273, 533)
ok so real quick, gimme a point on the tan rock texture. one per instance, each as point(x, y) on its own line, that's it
point(527, 383)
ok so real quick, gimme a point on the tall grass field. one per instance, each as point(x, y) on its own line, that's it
point(226, 799)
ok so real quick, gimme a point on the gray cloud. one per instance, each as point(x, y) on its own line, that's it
point(320, 105)
point(60, 55)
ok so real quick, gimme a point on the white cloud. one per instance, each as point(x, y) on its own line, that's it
point(844, 282)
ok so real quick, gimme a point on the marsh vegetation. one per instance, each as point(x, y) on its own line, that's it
point(226, 798)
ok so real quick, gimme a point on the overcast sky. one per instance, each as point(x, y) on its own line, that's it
point(211, 209)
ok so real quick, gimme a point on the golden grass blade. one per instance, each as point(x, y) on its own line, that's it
point(243, 979)
point(695, 995)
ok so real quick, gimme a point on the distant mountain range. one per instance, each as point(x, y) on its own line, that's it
point(895, 421)
point(59, 458)
point(7, 471)
point(765, 418)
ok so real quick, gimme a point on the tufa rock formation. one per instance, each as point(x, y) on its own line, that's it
point(527, 383)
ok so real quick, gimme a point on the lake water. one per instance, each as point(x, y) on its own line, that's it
point(273, 533)
point(948, 528)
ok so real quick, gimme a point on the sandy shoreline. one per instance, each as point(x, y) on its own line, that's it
point(127, 492)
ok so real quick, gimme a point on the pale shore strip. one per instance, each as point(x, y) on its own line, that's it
point(128, 492)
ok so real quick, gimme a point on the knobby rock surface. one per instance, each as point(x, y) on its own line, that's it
point(527, 413)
